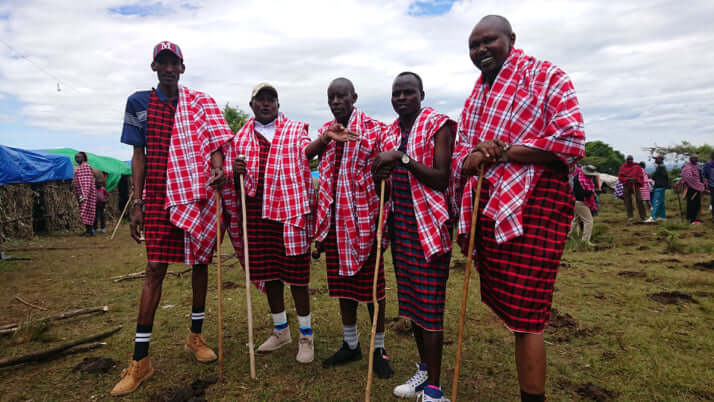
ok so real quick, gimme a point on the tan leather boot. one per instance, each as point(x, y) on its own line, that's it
point(275, 341)
point(197, 345)
point(133, 376)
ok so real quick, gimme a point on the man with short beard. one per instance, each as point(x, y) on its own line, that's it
point(179, 136)
point(522, 125)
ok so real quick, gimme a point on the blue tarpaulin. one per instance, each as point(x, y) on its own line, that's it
point(22, 166)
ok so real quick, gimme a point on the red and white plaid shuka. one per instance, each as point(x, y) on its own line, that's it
point(531, 103)
point(357, 202)
point(288, 195)
point(84, 187)
point(431, 207)
point(199, 130)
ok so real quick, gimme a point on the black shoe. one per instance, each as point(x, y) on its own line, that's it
point(381, 365)
point(343, 356)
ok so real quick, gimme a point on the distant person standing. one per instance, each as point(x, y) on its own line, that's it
point(693, 188)
point(645, 189)
point(86, 192)
point(709, 177)
point(99, 221)
point(661, 180)
point(630, 176)
point(585, 205)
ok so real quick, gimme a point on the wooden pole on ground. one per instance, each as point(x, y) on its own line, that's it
point(128, 201)
point(220, 286)
point(248, 303)
point(375, 302)
point(467, 277)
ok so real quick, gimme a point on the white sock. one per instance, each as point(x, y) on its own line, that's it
point(280, 320)
point(379, 340)
point(304, 323)
point(350, 336)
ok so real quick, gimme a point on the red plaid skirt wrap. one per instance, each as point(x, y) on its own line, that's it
point(164, 241)
point(84, 187)
point(199, 130)
point(356, 287)
point(431, 207)
point(269, 258)
point(288, 193)
point(517, 276)
point(531, 103)
point(348, 184)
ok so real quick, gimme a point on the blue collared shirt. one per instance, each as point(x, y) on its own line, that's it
point(134, 131)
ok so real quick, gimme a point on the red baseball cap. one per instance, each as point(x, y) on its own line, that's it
point(170, 46)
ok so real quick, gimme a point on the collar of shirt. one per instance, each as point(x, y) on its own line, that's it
point(163, 97)
point(266, 130)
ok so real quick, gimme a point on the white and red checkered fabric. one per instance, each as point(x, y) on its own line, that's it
point(431, 207)
point(531, 103)
point(84, 187)
point(357, 202)
point(288, 195)
point(199, 131)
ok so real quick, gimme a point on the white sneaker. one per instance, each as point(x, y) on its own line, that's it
point(650, 220)
point(275, 341)
point(423, 397)
point(413, 385)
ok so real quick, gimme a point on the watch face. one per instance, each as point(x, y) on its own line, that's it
point(405, 159)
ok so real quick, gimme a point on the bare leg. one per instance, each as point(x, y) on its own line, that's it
point(380, 316)
point(348, 311)
point(433, 342)
point(531, 362)
point(419, 338)
point(301, 298)
point(151, 293)
point(276, 299)
point(199, 282)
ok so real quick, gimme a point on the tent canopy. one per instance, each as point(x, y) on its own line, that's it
point(22, 166)
point(114, 168)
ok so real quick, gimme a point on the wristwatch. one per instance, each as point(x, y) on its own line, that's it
point(405, 159)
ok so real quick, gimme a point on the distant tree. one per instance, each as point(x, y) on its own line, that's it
point(681, 152)
point(603, 156)
point(235, 117)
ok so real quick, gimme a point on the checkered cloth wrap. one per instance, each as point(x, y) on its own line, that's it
point(517, 277)
point(199, 130)
point(587, 184)
point(357, 202)
point(631, 171)
point(84, 187)
point(288, 193)
point(431, 207)
point(531, 103)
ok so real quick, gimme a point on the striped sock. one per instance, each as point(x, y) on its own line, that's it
point(379, 340)
point(197, 316)
point(350, 335)
point(305, 327)
point(280, 321)
point(141, 342)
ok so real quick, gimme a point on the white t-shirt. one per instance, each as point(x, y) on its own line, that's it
point(266, 130)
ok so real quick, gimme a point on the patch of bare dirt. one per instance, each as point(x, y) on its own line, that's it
point(660, 261)
point(703, 294)
point(400, 325)
point(191, 393)
point(704, 266)
point(459, 265)
point(562, 328)
point(632, 274)
point(595, 392)
point(230, 285)
point(675, 297)
point(95, 365)
point(316, 291)
point(608, 356)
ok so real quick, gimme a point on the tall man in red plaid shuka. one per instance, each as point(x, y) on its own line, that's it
point(273, 154)
point(83, 182)
point(178, 137)
point(347, 211)
point(522, 122)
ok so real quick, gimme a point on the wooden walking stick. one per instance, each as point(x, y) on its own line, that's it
point(249, 306)
point(220, 286)
point(375, 302)
point(128, 201)
point(467, 277)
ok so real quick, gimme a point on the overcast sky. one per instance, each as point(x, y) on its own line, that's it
point(643, 70)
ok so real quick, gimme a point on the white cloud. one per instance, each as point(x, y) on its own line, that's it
point(642, 71)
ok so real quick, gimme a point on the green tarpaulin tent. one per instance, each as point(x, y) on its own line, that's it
point(114, 168)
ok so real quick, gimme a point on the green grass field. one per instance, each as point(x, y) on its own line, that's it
point(608, 340)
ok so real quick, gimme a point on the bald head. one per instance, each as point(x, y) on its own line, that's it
point(496, 22)
point(342, 82)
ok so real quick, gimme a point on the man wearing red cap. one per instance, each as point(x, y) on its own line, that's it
point(178, 136)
